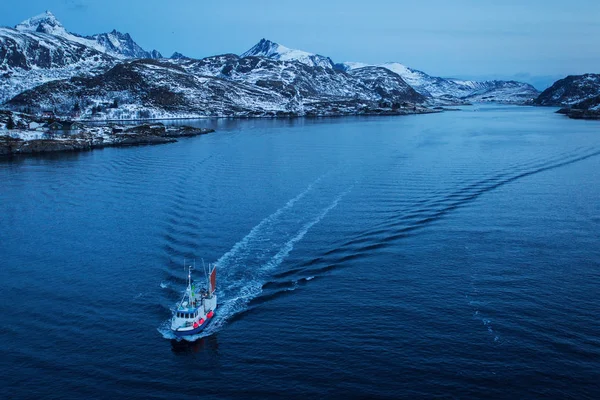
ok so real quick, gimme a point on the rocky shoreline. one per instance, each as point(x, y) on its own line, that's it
point(586, 109)
point(575, 113)
point(23, 141)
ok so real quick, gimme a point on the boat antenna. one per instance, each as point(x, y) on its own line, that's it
point(204, 268)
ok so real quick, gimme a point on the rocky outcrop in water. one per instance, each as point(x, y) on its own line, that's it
point(587, 109)
point(570, 91)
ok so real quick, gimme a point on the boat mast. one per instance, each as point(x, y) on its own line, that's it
point(206, 273)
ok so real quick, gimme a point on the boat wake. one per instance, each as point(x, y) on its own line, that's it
point(245, 268)
point(253, 264)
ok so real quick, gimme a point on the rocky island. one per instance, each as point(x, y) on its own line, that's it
point(26, 134)
point(578, 95)
point(586, 109)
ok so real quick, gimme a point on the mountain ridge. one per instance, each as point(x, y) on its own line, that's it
point(40, 49)
point(457, 89)
point(269, 78)
point(438, 89)
point(276, 51)
point(220, 86)
point(115, 43)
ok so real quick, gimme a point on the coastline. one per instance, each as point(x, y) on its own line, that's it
point(385, 113)
point(29, 142)
point(576, 113)
point(97, 134)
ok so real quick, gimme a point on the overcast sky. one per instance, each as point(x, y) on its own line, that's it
point(531, 39)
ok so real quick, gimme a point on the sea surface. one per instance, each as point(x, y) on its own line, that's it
point(454, 255)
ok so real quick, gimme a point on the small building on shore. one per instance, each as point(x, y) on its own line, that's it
point(55, 126)
point(65, 126)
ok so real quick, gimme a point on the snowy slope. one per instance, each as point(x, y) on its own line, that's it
point(311, 84)
point(275, 51)
point(389, 85)
point(570, 90)
point(217, 86)
point(28, 59)
point(122, 45)
point(447, 90)
point(477, 91)
point(40, 50)
point(282, 76)
point(117, 44)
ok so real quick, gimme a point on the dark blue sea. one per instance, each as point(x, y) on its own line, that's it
point(454, 255)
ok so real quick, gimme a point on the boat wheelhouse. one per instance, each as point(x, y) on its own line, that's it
point(197, 307)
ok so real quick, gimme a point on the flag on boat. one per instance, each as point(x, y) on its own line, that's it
point(213, 280)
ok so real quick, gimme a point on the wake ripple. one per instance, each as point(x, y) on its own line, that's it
point(408, 222)
point(245, 269)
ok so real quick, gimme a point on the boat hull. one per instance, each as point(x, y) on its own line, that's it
point(195, 331)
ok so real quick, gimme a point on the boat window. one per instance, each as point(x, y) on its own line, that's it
point(178, 315)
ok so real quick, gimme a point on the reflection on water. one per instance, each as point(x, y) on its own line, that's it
point(206, 344)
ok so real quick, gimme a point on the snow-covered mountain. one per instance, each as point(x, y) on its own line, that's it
point(43, 23)
point(115, 43)
point(440, 90)
point(389, 85)
point(43, 66)
point(426, 85)
point(218, 86)
point(446, 90)
point(570, 90)
point(40, 49)
point(122, 45)
point(177, 56)
point(456, 89)
point(275, 51)
point(28, 59)
point(308, 82)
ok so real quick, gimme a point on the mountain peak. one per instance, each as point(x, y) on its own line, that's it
point(122, 45)
point(178, 56)
point(269, 49)
point(265, 48)
point(44, 23)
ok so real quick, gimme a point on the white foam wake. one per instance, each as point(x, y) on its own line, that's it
point(228, 257)
point(244, 269)
point(251, 259)
point(289, 246)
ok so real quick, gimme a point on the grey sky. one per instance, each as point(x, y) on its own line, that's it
point(459, 38)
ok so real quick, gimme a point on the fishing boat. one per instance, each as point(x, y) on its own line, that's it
point(197, 308)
